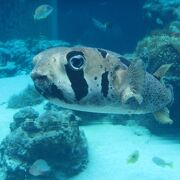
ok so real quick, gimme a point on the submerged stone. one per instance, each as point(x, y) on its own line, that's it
point(23, 115)
point(53, 136)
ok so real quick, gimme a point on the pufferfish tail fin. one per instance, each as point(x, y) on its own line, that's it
point(135, 77)
point(161, 71)
point(162, 116)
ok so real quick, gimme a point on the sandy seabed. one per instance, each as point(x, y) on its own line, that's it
point(109, 145)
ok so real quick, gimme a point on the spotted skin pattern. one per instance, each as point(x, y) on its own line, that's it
point(95, 86)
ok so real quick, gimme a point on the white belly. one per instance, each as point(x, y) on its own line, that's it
point(97, 109)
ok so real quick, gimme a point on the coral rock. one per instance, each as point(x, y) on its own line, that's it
point(22, 115)
point(53, 136)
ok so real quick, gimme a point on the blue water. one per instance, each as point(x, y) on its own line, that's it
point(147, 29)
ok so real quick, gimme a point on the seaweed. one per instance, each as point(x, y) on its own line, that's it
point(28, 97)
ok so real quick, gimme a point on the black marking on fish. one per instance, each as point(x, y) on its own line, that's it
point(105, 84)
point(95, 78)
point(125, 61)
point(103, 52)
point(158, 78)
point(72, 54)
point(78, 82)
point(57, 93)
point(51, 91)
point(117, 68)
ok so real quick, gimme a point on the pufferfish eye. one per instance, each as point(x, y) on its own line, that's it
point(76, 62)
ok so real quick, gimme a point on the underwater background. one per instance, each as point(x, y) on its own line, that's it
point(40, 140)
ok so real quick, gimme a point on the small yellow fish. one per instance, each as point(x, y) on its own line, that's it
point(42, 11)
point(133, 158)
point(162, 163)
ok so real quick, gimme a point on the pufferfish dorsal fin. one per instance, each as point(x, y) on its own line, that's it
point(135, 82)
point(162, 70)
point(162, 116)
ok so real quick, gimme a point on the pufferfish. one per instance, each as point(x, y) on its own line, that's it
point(101, 81)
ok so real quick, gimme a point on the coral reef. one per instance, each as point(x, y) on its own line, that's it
point(174, 28)
point(20, 116)
point(28, 97)
point(16, 55)
point(53, 136)
point(6, 66)
point(4, 56)
point(40, 45)
point(162, 12)
point(160, 49)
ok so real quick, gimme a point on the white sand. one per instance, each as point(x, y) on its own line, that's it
point(9, 86)
point(109, 146)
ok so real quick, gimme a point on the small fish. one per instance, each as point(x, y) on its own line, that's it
point(39, 167)
point(162, 163)
point(42, 11)
point(133, 158)
point(101, 26)
point(159, 21)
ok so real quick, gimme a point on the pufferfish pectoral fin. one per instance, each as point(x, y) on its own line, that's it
point(162, 116)
point(135, 82)
point(129, 94)
point(159, 73)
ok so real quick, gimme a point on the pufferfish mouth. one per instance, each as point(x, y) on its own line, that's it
point(46, 87)
point(42, 84)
